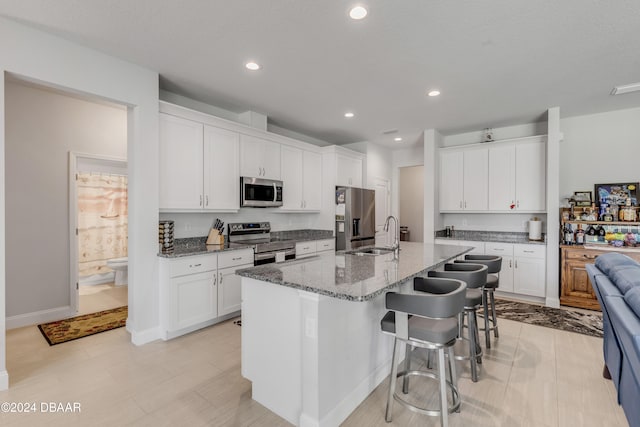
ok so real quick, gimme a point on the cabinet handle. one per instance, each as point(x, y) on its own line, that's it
point(207, 200)
point(215, 279)
point(194, 265)
point(510, 264)
point(527, 252)
point(518, 204)
point(236, 259)
point(220, 278)
point(498, 249)
point(516, 263)
point(590, 257)
point(465, 204)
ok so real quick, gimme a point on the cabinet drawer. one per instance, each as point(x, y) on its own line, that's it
point(192, 265)
point(498, 249)
point(234, 258)
point(304, 248)
point(530, 251)
point(325, 245)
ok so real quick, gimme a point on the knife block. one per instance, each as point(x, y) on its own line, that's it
point(215, 238)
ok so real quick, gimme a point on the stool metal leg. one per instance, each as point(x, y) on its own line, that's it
point(493, 315)
point(473, 327)
point(392, 386)
point(485, 315)
point(442, 372)
point(407, 367)
point(452, 375)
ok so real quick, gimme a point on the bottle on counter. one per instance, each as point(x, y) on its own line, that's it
point(608, 217)
point(568, 234)
point(579, 237)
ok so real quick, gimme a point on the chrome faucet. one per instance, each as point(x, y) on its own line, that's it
point(396, 240)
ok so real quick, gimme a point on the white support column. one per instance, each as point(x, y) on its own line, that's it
point(554, 137)
point(432, 219)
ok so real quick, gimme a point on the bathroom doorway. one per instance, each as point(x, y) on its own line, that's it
point(99, 224)
point(411, 202)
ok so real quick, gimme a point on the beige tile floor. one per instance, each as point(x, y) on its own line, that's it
point(101, 297)
point(533, 376)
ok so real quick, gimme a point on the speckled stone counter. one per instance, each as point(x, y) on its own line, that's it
point(353, 277)
point(490, 236)
point(303, 235)
point(197, 246)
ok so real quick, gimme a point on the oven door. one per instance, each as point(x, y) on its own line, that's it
point(260, 193)
point(270, 257)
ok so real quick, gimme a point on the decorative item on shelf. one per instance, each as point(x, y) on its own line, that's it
point(617, 194)
point(487, 135)
point(628, 213)
point(165, 236)
point(582, 198)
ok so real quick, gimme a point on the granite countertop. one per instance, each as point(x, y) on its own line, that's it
point(491, 236)
point(197, 245)
point(353, 277)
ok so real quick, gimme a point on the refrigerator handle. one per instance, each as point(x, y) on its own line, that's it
point(356, 224)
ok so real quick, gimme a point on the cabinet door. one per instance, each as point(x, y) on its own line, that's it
point(180, 180)
point(292, 178)
point(305, 249)
point(502, 177)
point(348, 171)
point(475, 179)
point(528, 277)
point(312, 180)
point(194, 299)
point(259, 158)
point(451, 181)
point(229, 286)
point(221, 175)
point(506, 274)
point(531, 177)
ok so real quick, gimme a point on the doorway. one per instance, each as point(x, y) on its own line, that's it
point(99, 218)
point(411, 202)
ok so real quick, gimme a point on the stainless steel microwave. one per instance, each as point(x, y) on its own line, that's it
point(260, 193)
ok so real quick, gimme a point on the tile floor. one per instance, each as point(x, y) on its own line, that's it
point(533, 376)
point(96, 298)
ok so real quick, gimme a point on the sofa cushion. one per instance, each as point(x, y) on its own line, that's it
point(632, 298)
point(626, 277)
point(627, 328)
point(608, 262)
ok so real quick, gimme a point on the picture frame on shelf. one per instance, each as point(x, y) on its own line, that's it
point(582, 198)
point(616, 194)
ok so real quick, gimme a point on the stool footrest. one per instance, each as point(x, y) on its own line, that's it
point(455, 404)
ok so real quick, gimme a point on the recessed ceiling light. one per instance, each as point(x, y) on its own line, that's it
point(349, 115)
point(397, 139)
point(253, 66)
point(358, 12)
point(619, 90)
point(434, 93)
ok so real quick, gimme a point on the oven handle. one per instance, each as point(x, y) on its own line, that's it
point(268, 255)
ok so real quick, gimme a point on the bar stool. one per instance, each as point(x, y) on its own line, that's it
point(475, 276)
point(494, 265)
point(425, 319)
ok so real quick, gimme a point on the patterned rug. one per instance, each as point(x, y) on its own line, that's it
point(557, 318)
point(83, 326)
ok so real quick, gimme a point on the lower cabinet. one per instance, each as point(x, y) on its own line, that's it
point(199, 291)
point(313, 247)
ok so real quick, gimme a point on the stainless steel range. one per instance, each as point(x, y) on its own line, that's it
point(266, 249)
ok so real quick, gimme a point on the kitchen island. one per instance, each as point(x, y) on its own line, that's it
point(311, 340)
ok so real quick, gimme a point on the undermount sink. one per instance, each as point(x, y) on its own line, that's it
point(370, 251)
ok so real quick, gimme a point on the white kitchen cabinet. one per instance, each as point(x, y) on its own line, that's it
point(504, 250)
point(348, 171)
point(181, 165)
point(259, 158)
point(198, 166)
point(229, 286)
point(517, 174)
point(301, 173)
point(326, 245)
point(305, 249)
point(464, 179)
point(529, 270)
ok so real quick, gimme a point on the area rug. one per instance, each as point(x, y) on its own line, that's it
point(83, 326)
point(557, 318)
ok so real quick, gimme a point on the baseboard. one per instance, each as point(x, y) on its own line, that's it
point(144, 337)
point(4, 380)
point(341, 411)
point(38, 317)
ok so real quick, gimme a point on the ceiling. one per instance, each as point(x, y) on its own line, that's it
point(496, 62)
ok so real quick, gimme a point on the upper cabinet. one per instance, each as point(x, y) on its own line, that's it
point(198, 166)
point(301, 173)
point(517, 176)
point(463, 179)
point(348, 170)
point(500, 176)
point(259, 158)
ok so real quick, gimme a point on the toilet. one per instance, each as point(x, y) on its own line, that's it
point(120, 267)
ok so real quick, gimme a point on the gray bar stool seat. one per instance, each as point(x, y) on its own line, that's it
point(427, 319)
point(475, 276)
point(494, 265)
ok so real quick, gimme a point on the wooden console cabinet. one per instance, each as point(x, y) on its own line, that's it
point(575, 287)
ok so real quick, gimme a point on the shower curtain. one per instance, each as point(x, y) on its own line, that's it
point(102, 221)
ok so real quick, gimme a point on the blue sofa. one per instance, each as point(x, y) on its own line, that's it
point(616, 281)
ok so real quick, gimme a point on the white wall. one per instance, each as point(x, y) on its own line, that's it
point(412, 201)
point(597, 149)
point(378, 164)
point(514, 222)
point(410, 156)
point(57, 62)
point(42, 126)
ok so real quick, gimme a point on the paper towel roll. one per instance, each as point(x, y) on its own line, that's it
point(535, 230)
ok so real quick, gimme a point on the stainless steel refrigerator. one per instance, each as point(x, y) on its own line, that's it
point(355, 217)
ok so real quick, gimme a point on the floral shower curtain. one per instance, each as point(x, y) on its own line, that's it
point(102, 221)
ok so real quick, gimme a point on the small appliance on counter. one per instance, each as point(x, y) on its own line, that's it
point(215, 234)
point(355, 218)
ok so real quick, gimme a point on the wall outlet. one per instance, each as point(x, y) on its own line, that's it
point(187, 226)
point(464, 222)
